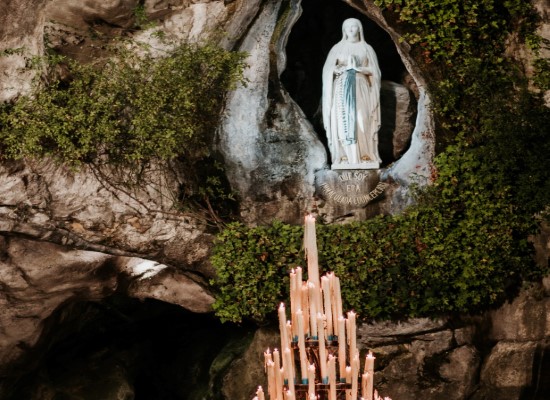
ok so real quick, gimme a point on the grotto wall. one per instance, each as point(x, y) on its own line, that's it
point(69, 236)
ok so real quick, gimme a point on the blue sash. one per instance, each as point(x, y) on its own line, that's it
point(349, 113)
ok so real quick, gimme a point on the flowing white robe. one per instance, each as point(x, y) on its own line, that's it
point(367, 102)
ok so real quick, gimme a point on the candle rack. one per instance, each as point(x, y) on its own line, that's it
point(316, 339)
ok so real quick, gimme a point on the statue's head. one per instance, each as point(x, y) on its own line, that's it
point(352, 28)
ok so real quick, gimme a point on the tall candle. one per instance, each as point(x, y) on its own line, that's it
point(364, 379)
point(334, 310)
point(328, 304)
point(338, 297)
point(311, 379)
point(289, 369)
point(302, 345)
point(369, 368)
point(354, 376)
point(348, 380)
point(305, 308)
point(289, 331)
point(310, 245)
point(322, 349)
point(267, 358)
point(342, 346)
point(282, 328)
point(271, 380)
point(313, 308)
point(278, 374)
point(352, 334)
point(293, 303)
point(332, 377)
point(260, 393)
point(298, 289)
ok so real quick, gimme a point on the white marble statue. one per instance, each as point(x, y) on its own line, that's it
point(351, 100)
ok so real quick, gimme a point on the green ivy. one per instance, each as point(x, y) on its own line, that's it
point(129, 109)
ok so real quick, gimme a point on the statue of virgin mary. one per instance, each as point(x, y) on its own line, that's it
point(351, 100)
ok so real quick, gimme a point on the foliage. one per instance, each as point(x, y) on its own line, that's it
point(463, 247)
point(131, 109)
point(459, 254)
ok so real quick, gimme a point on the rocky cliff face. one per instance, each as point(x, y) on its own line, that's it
point(69, 236)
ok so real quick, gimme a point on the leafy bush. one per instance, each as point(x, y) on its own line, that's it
point(130, 109)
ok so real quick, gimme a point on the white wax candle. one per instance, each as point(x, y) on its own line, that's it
point(369, 367)
point(310, 245)
point(313, 308)
point(305, 308)
point(293, 303)
point(369, 362)
point(364, 379)
point(332, 377)
point(302, 344)
point(271, 381)
point(298, 289)
point(333, 303)
point(289, 331)
point(354, 376)
point(322, 349)
point(338, 297)
point(267, 357)
point(260, 393)
point(278, 374)
point(352, 334)
point(289, 371)
point(342, 346)
point(328, 304)
point(282, 328)
point(311, 380)
point(348, 380)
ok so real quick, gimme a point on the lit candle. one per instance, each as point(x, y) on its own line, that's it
point(332, 377)
point(267, 357)
point(282, 328)
point(271, 380)
point(278, 374)
point(298, 289)
point(333, 302)
point(364, 379)
point(328, 304)
point(342, 346)
point(289, 331)
point(369, 368)
point(289, 369)
point(311, 380)
point(305, 307)
point(293, 303)
point(313, 308)
point(310, 245)
point(322, 349)
point(348, 380)
point(302, 345)
point(260, 393)
point(352, 334)
point(354, 376)
point(338, 297)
